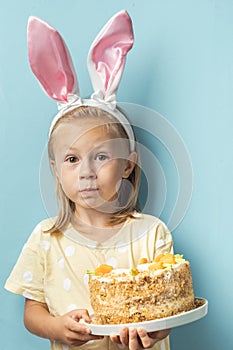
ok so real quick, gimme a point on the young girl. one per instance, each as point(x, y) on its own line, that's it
point(94, 159)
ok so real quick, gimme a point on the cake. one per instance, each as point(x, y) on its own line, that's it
point(152, 290)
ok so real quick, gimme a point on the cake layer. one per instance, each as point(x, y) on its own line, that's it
point(120, 297)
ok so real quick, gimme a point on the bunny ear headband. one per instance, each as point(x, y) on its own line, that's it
point(51, 63)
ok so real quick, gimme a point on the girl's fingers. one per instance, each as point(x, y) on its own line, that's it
point(77, 327)
point(137, 339)
point(124, 336)
point(80, 313)
point(81, 332)
point(149, 339)
point(145, 339)
point(115, 339)
point(160, 334)
point(133, 340)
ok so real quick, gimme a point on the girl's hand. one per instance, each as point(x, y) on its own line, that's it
point(68, 330)
point(138, 339)
point(64, 329)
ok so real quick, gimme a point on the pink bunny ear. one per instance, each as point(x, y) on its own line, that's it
point(106, 58)
point(50, 60)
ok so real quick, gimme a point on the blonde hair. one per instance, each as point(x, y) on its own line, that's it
point(67, 207)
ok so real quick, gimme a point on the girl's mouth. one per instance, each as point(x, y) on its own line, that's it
point(88, 190)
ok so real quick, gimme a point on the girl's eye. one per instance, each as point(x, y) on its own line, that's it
point(72, 159)
point(102, 157)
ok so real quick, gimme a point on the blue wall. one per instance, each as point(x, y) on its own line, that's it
point(182, 67)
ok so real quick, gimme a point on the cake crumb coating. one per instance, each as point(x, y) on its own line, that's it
point(118, 298)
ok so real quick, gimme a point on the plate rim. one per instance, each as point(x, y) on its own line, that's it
point(153, 325)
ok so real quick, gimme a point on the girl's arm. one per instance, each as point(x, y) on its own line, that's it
point(65, 329)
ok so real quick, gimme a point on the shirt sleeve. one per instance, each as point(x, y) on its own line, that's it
point(163, 240)
point(27, 276)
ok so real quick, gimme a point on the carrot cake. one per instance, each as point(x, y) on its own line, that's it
point(152, 290)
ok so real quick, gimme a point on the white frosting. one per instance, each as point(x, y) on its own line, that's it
point(117, 272)
point(123, 274)
point(145, 267)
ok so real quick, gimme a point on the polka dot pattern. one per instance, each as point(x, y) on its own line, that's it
point(121, 248)
point(71, 307)
point(45, 245)
point(112, 261)
point(67, 284)
point(61, 263)
point(159, 243)
point(86, 279)
point(27, 276)
point(69, 251)
point(27, 295)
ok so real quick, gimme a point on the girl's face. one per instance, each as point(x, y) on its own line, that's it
point(90, 163)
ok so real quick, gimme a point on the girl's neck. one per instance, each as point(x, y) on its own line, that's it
point(91, 217)
point(95, 225)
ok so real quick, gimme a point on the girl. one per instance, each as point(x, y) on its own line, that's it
point(94, 159)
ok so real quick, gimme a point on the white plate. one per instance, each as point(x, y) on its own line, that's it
point(154, 325)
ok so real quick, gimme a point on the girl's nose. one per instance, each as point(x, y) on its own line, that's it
point(87, 169)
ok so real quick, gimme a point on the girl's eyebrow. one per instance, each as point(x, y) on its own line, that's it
point(101, 146)
point(71, 149)
point(68, 150)
point(94, 148)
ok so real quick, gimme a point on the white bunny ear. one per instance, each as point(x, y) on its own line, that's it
point(106, 58)
point(50, 60)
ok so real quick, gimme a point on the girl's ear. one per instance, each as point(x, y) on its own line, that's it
point(130, 164)
point(54, 168)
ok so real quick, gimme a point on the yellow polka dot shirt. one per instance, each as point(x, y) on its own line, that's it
point(52, 268)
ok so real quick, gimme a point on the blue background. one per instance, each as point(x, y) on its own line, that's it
point(182, 67)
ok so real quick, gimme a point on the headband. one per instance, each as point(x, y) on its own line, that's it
point(51, 63)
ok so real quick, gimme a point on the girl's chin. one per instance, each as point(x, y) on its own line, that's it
point(103, 206)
